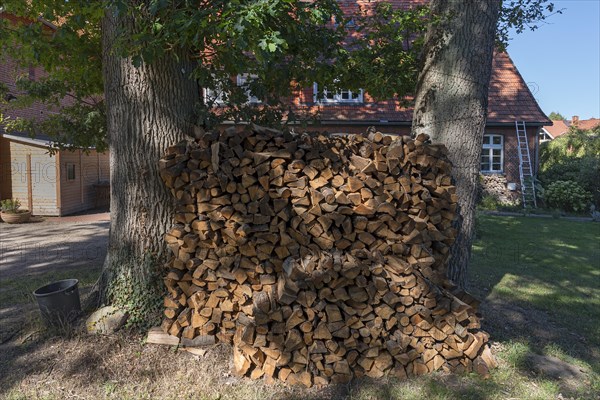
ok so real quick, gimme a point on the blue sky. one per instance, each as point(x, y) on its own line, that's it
point(561, 59)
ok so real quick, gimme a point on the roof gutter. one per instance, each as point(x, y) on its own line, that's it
point(36, 142)
point(387, 122)
point(512, 124)
point(406, 123)
point(368, 122)
point(42, 143)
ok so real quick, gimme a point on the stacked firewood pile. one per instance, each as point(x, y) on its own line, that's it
point(320, 258)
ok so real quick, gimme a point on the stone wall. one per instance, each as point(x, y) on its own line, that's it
point(496, 185)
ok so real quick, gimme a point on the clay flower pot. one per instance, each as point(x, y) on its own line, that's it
point(15, 218)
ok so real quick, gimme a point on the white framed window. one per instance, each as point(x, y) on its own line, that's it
point(492, 153)
point(342, 96)
point(214, 96)
point(243, 81)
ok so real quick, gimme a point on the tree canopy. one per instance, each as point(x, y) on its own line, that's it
point(574, 157)
point(281, 45)
point(70, 55)
point(556, 116)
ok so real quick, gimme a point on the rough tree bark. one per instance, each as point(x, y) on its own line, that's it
point(451, 102)
point(149, 108)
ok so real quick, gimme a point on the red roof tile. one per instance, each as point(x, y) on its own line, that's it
point(557, 129)
point(561, 127)
point(509, 100)
point(509, 97)
point(586, 124)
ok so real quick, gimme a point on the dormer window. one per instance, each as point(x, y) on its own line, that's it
point(341, 96)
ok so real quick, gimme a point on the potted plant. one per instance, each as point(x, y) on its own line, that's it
point(10, 212)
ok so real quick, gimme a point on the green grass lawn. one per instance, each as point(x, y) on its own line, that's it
point(552, 265)
point(548, 270)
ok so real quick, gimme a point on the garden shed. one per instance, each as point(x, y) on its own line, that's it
point(62, 183)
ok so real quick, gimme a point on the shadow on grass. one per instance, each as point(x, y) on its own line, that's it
point(431, 387)
point(539, 280)
point(25, 338)
point(22, 356)
point(525, 303)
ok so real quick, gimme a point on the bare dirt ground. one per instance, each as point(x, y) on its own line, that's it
point(69, 364)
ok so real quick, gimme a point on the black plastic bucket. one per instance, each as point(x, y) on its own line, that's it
point(59, 302)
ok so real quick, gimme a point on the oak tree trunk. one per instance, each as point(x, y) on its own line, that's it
point(149, 108)
point(451, 102)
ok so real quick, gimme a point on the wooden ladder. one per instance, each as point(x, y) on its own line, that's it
point(525, 170)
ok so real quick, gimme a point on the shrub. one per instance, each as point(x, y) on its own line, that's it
point(489, 202)
point(573, 157)
point(584, 171)
point(567, 196)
